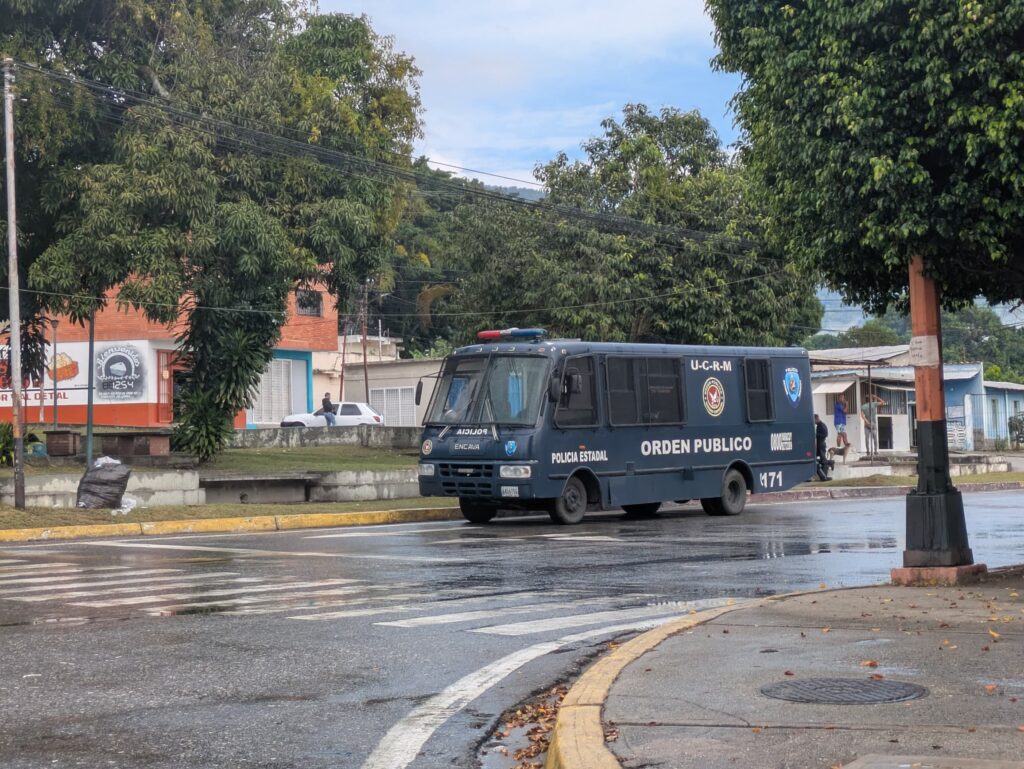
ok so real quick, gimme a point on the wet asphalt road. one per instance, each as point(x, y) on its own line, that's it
point(382, 647)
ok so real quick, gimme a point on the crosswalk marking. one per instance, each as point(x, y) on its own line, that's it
point(78, 575)
point(130, 589)
point(137, 600)
point(21, 565)
point(348, 590)
point(579, 620)
point(6, 576)
point(272, 553)
point(466, 616)
point(108, 582)
point(62, 574)
point(290, 598)
point(12, 560)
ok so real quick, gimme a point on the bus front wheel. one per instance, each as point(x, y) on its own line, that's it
point(572, 505)
point(476, 512)
point(733, 499)
point(648, 510)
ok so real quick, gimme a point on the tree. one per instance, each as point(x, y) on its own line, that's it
point(719, 285)
point(199, 218)
point(883, 131)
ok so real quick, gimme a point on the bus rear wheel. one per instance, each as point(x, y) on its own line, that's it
point(734, 496)
point(476, 512)
point(648, 510)
point(572, 505)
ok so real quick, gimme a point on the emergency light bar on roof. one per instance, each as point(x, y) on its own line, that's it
point(511, 333)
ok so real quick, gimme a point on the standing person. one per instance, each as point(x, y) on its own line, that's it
point(328, 409)
point(821, 446)
point(869, 415)
point(839, 420)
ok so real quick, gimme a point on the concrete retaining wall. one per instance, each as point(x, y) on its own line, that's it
point(149, 487)
point(360, 435)
point(352, 486)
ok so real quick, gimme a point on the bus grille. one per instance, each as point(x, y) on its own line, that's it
point(466, 479)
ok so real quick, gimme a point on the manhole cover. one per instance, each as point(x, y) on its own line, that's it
point(843, 691)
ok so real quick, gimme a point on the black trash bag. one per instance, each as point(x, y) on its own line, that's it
point(103, 487)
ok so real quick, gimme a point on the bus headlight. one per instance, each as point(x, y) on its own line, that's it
point(515, 471)
point(427, 470)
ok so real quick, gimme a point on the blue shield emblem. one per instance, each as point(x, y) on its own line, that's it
point(510, 448)
point(793, 386)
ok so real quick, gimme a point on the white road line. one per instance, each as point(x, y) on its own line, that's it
point(5, 575)
point(401, 533)
point(12, 560)
point(67, 577)
point(256, 601)
point(31, 566)
point(465, 540)
point(109, 582)
point(29, 578)
point(404, 740)
point(334, 591)
point(138, 600)
point(134, 589)
point(578, 620)
point(467, 616)
point(271, 553)
point(526, 595)
point(358, 612)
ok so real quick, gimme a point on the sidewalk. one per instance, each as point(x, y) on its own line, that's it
point(690, 694)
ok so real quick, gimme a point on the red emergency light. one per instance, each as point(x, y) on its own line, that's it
point(511, 333)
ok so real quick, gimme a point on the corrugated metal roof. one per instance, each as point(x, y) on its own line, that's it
point(859, 354)
point(951, 372)
point(1004, 386)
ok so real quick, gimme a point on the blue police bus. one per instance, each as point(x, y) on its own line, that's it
point(520, 421)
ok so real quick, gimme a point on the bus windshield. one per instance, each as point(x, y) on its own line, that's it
point(497, 389)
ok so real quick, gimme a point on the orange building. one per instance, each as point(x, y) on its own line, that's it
point(135, 368)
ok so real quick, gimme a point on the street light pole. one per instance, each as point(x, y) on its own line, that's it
point(13, 289)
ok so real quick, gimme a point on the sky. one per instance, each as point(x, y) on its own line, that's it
point(510, 84)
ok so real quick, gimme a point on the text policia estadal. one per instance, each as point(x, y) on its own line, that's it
point(736, 443)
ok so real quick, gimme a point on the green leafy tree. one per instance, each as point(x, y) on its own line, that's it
point(884, 131)
point(201, 219)
point(720, 285)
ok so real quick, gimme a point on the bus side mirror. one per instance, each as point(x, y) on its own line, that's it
point(419, 391)
point(554, 389)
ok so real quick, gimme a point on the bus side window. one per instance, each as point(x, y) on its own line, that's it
point(577, 406)
point(662, 396)
point(760, 405)
point(623, 408)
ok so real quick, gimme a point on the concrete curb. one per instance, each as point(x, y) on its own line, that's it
point(577, 741)
point(855, 492)
point(232, 525)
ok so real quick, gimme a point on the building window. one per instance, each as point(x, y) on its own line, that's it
point(309, 302)
point(396, 404)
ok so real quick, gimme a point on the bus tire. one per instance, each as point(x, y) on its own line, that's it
point(734, 493)
point(476, 512)
point(649, 510)
point(712, 505)
point(571, 506)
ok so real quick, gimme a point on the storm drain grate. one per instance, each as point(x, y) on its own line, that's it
point(843, 691)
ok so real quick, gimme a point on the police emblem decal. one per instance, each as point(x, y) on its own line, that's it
point(510, 448)
point(793, 385)
point(714, 396)
point(427, 447)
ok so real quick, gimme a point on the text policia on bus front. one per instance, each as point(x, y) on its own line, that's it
point(518, 421)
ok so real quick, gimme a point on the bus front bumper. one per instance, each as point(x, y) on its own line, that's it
point(478, 480)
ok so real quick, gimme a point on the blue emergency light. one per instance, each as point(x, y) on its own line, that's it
point(511, 333)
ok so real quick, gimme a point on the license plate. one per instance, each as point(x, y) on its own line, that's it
point(510, 491)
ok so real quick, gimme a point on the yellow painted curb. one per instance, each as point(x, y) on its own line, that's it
point(577, 741)
point(201, 525)
point(71, 532)
point(329, 520)
point(233, 525)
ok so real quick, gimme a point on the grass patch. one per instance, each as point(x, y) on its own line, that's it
point(35, 517)
point(311, 458)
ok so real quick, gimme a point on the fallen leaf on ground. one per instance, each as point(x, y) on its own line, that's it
point(1020, 728)
point(826, 629)
point(756, 730)
point(991, 688)
point(869, 664)
point(993, 633)
point(876, 677)
point(789, 673)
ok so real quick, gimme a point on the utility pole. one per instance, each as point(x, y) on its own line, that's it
point(365, 313)
point(936, 527)
point(13, 289)
point(92, 385)
point(344, 359)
